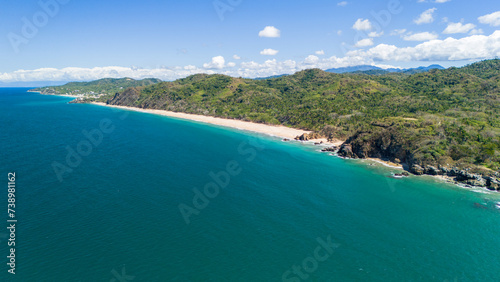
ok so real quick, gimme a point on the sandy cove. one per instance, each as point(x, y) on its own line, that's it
point(279, 131)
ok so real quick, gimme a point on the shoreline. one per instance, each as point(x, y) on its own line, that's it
point(63, 95)
point(272, 130)
point(387, 163)
point(276, 131)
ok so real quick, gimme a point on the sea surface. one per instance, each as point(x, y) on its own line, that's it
point(112, 195)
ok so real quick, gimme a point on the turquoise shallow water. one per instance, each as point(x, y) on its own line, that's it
point(117, 211)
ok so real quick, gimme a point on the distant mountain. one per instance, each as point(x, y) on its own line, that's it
point(373, 70)
point(353, 69)
point(422, 69)
point(268, 77)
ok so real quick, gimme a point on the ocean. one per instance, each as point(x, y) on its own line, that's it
point(104, 194)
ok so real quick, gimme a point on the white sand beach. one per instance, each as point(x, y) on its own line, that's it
point(280, 131)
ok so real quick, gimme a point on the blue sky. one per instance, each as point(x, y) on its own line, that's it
point(84, 40)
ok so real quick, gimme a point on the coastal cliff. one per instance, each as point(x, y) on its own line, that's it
point(389, 144)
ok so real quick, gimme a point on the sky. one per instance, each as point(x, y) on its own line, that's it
point(69, 40)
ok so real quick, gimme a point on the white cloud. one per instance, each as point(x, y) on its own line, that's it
point(474, 47)
point(492, 19)
point(342, 4)
point(320, 52)
point(421, 36)
point(375, 34)
point(453, 28)
point(269, 52)
point(364, 42)
point(339, 32)
point(236, 57)
point(270, 31)
point(398, 31)
point(311, 59)
point(426, 17)
point(231, 64)
point(476, 31)
point(361, 24)
point(217, 63)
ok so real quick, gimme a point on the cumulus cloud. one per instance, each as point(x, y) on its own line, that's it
point(269, 52)
point(375, 34)
point(217, 63)
point(450, 49)
point(426, 17)
point(87, 74)
point(364, 42)
point(236, 57)
point(473, 47)
point(492, 19)
point(476, 31)
point(361, 24)
point(421, 36)
point(270, 31)
point(311, 59)
point(453, 28)
point(398, 31)
point(342, 4)
point(320, 52)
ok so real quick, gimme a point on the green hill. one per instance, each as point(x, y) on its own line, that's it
point(102, 86)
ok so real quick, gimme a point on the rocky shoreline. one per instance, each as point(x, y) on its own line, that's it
point(463, 177)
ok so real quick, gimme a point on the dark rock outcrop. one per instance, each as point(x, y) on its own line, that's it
point(308, 136)
point(416, 169)
point(330, 149)
point(126, 98)
point(346, 151)
point(431, 170)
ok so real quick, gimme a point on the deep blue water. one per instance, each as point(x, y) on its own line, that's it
point(116, 210)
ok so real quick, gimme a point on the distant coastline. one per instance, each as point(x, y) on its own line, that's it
point(62, 95)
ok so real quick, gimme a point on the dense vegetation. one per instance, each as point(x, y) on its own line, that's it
point(449, 116)
point(108, 86)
